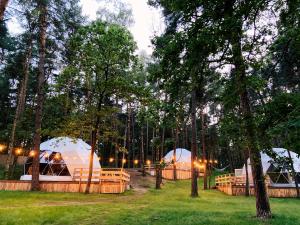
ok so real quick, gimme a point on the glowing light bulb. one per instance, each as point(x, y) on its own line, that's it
point(136, 161)
point(18, 151)
point(32, 153)
point(111, 160)
point(124, 160)
point(148, 162)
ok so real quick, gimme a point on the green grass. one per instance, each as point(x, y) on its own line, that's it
point(171, 205)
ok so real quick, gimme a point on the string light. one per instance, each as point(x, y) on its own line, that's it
point(2, 147)
point(200, 160)
point(111, 160)
point(216, 161)
point(32, 153)
point(123, 160)
point(210, 161)
point(205, 161)
point(18, 151)
point(136, 161)
point(148, 162)
point(57, 156)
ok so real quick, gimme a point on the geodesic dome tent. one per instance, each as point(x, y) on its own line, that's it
point(59, 158)
point(183, 158)
point(278, 171)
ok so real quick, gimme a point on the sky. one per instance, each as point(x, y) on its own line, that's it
point(148, 20)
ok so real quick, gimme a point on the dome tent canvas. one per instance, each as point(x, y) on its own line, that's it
point(270, 166)
point(183, 158)
point(74, 152)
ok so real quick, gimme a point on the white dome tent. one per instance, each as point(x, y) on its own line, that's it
point(72, 153)
point(277, 172)
point(183, 158)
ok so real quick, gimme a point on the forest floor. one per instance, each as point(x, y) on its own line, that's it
point(142, 205)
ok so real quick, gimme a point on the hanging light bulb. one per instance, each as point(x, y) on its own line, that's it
point(136, 161)
point(123, 160)
point(2, 147)
point(111, 160)
point(216, 161)
point(148, 162)
point(18, 151)
point(32, 153)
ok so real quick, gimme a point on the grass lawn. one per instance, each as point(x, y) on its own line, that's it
point(171, 205)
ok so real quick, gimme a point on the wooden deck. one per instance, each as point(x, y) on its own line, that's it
point(168, 174)
point(235, 186)
point(103, 181)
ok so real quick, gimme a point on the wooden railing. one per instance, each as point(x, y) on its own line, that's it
point(104, 174)
point(230, 178)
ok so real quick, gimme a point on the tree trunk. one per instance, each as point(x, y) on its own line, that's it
point(3, 5)
point(128, 146)
point(262, 201)
point(19, 109)
point(247, 188)
point(91, 160)
point(294, 173)
point(142, 158)
point(147, 139)
point(35, 186)
point(174, 154)
point(204, 156)
point(194, 185)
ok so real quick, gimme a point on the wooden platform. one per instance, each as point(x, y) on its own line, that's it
point(235, 186)
point(104, 181)
point(168, 174)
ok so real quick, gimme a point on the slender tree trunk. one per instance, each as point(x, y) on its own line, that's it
point(174, 154)
point(91, 160)
point(133, 140)
point(142, 158)
point(3, 5)
point(35, 186)
point(128, 146)
point(147, 139)
point(262, 201)
point(194, 185)
point(247, 188)
point(294, 173)
point(204, 157)
point(93, 146)
point(19, 109)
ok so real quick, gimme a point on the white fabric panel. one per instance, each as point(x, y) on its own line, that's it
point(267, 161)
point(183, 158)
point(75, 152)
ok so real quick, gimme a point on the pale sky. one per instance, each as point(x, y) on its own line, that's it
point(148, 20)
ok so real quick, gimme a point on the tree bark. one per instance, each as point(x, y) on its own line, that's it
point(204, 156)
point(142, 158)
point(20, 108)
point(91, 159)
point(42, 7)
point(3, 5)
point(262, 201)
point(294, 173)
point(247, 189)
point(194, 184)
point(174, 154)
point(128, 146)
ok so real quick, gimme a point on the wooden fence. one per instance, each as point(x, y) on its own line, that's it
point(168, 173)
point(235, 186)
point(103, 181)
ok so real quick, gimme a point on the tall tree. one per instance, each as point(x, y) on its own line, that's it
point(42, 23)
